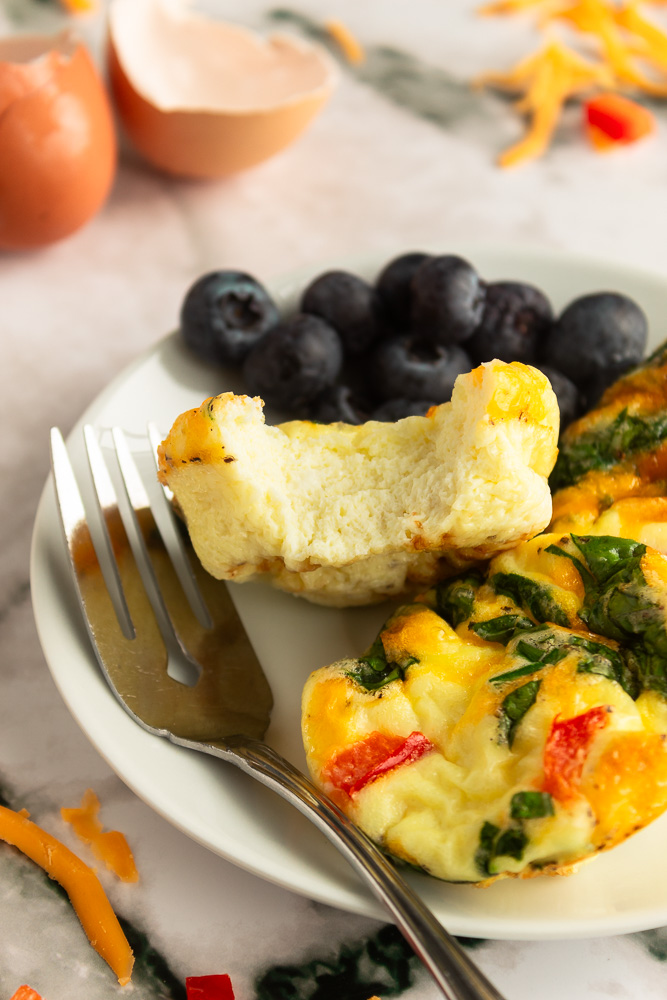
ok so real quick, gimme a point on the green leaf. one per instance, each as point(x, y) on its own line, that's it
point(604, 447)
point(373, 670)
point(382, 965)
point(620, 605)
point(607, 662)
point(512, 675)
point(514, 707)
point(531, 805)
point(649, 669)
point(455, 598)
point(547, 645)
point(501, 629)
point(484, 852)
point(536, 598)
point(606, 555)
point(494, 843)
point(511, 843)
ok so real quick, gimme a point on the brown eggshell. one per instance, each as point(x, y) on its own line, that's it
point(213, 141)
point(57, 139)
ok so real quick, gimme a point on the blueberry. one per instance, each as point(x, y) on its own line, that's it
point(447, 300)
point(570, 400)
point(294, 363)
point(603, 334)
point(394, 291)
point(348, 304)
point(408, 368)
point(396, 409)
point(339, 403)
point(224, 314)
point(515, 320)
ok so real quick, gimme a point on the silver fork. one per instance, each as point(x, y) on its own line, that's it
point(157, 607)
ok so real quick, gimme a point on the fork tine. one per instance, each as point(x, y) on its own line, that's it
point(181, 559)
point(167, 593)
point(115, 649)
point(105, 498)
point(80, 544)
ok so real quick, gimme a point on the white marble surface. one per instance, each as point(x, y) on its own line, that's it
point(377, 171)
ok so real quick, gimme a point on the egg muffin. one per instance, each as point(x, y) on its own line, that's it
point(611, 473)
point(510, 723)
point(346, 515)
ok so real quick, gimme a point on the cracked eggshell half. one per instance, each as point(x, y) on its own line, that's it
point(57, 139)
point(205, 98)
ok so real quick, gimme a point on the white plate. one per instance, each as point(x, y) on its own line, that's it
point(625, 890)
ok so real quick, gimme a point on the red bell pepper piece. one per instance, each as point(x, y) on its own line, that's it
point(566, 749)
point(26, 993)
point(617, 118)
point(209, 988)
point(363, 762)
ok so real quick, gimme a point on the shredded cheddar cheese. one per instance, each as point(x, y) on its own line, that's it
point(79, 6)
point(519, 6)
point(631, 53)
point(546, 80)
point(347, 42)
point(79, 882)
point(597, 18)
point(109, 846)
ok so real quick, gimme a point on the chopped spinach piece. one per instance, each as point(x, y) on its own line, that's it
point(514, 707)
point(382, 965)
point(512, 842)
point(373, 670)
point(501, 629)
point(455, 598)
point(650, 670)
point(484, 853)
point(619, 605)
point(512, 675)
point(494, 843)
point(607, 662)
point(546, 645)
point(531, 805)
point(606, 555)
point(540, 646)
point(603, 447)
point(536, 598)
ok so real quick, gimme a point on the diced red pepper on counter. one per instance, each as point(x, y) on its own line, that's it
point(209, 988)
point(26, 993)
point(375, 755)
point(566, 749)
point(612, 118)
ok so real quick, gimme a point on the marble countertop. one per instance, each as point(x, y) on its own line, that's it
point(402, 157)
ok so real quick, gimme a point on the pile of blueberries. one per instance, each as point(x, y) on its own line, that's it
point(357, 351)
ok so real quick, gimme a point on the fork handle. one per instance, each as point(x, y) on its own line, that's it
point(456, 975)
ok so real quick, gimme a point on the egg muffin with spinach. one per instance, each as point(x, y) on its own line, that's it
point(511, 722)
point(611, 474)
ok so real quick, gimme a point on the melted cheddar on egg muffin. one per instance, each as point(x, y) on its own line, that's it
point(511, 723)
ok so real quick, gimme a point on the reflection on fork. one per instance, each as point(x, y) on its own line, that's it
point(176, 656)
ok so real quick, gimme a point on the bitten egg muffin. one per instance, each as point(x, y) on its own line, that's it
point(344, 514)
point(511, 723)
